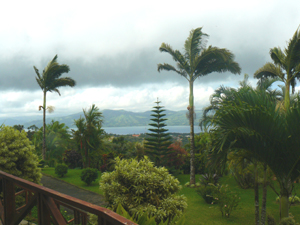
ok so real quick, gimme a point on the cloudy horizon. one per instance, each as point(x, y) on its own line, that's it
point(112, 49)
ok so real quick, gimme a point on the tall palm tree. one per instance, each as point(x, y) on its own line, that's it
point(285, 66)
point(197, 61)
point(49, 81)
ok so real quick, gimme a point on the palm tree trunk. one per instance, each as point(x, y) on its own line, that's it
point(256, 195)
point(284, 206)
point(264, 198)
point(192, 143)
point(285, 186)
point(44, 127)
point(287, 94)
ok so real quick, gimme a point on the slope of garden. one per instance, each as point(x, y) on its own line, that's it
point(199, 212)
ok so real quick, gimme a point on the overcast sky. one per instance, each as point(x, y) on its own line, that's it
point(112, 49)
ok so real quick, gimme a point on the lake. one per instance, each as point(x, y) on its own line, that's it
point(144, 129)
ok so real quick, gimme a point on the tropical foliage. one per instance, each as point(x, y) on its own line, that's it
point(58, 140)
point(197, 61)
point(88, 136)
point(252, 122)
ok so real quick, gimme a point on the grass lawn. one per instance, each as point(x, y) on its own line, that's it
point(199, 212)
point(73, 177)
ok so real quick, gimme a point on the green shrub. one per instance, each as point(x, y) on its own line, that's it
point(271, 220)
point(206, 192)
point(141, 220)
point(17, 155)
point(89, 175)
point(42, 163)
point(140, 187)
point(227, 200)
point(61, 170)
point(209, 178)
point(287, 221)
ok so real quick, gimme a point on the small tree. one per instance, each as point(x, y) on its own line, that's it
point(141, 187)
point(158, 141)
point(17, 155)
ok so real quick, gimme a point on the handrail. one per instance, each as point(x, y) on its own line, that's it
point(48, 202)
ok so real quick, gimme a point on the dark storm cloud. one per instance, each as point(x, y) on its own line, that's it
point(124, 70)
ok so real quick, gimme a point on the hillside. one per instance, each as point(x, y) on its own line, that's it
point(112, 118)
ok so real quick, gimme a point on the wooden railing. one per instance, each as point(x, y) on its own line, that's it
point(48, 204)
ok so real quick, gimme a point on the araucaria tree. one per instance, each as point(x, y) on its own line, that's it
point(197, 61)
point(158, 141)
point(50, 80)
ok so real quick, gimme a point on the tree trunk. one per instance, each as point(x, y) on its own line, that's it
point(191, 119)
point(285, 186)
point(287, 94)
point(256, 195)
point(284, 206)
point(44, 127)
point(264, 198)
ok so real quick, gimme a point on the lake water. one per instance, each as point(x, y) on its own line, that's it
point(142, 129)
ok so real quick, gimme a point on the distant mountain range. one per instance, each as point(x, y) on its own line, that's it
point(112, 118)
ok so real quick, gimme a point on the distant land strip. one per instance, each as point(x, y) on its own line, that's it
point(111, 118)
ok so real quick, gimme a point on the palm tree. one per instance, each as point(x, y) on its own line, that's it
point(253, 122)
point(197, 61)
point(223, 94)
point(285, 66)
point(50, 81)
point(89, 133)
point(93, 120)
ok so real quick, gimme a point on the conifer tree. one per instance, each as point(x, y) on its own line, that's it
point(158, 141)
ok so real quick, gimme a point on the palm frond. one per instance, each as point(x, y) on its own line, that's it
point(270, 70)
point(194, 44)
point(51, 64)
point(279, 58)
point(215, 59)
point(176, 55)
point(293, 51)
point(169, 67)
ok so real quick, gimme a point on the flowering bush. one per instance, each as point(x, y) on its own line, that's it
point(227, 200)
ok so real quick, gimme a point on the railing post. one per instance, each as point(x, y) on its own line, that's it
point(43, 212)
point(9, 201)
point(76, 217)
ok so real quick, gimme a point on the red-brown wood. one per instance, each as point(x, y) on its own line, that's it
point(9, 201)
point(46, 201)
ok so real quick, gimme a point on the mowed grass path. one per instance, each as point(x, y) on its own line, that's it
point(73, 177)
point(198, 212)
